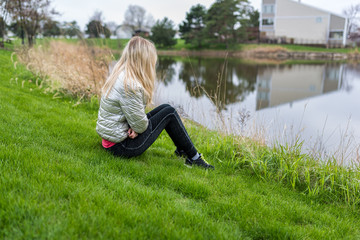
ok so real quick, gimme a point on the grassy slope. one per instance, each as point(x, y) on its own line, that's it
point(57, 182)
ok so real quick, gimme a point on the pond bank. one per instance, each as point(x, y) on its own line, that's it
point(264, 53)
point(161, 190)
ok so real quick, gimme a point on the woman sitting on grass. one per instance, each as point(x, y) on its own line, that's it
point(125, 128)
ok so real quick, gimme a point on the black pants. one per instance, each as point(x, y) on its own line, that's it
point(162, 117)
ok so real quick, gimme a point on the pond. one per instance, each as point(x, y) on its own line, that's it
point(313, 103)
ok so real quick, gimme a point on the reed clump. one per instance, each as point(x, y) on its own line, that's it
point(76, 69)
point(318, 178)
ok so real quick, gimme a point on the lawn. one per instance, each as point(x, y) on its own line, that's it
point(118, 44)
point(56, 182)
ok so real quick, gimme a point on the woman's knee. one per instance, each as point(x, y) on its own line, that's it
point(170, 108)
point(165, 105)
point(166, 109)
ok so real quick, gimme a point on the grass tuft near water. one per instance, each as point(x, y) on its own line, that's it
point(321, 179)
point(57, 182)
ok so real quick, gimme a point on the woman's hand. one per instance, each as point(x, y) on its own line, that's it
point(132, 134)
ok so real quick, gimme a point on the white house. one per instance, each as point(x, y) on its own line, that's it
point(294, 22)
point(123, 32)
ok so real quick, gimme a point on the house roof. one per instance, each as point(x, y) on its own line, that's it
point(317, 8)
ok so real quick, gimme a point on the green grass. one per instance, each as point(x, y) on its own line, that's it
point(56, 182)
point(181, 45)
point(8, 45)
point(118, 44)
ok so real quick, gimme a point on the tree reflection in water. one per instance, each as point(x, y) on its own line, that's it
point(165, 70)
point(224, 81)
point(276, 96)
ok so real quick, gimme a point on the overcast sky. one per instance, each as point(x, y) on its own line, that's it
point(114, 10)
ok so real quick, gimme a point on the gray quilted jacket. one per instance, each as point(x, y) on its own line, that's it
point(121, 110)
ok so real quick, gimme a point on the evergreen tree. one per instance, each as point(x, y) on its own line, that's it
point(223, 21)
point(192, 29)
point(250, 25)
point(253, 18)
point(163, 33)
point(95, 29)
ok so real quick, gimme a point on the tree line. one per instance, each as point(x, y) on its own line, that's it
point(225, 22)
point(29, 18)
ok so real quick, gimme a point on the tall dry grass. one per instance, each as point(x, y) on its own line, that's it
point(76, 69)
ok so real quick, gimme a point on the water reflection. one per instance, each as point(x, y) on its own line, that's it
point(224, 82)
point(231, 81)
point(165, 69)
point(288, 83)
point(316, 99)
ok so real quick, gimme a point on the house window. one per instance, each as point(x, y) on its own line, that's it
point(268, 8)
point(332, 74)
point(268, 22)
point(336, 35)
point(264, 83)
point(263, 96)
point(312, 88)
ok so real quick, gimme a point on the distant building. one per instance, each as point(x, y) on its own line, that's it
point(123, 32)
point(288, 21)
point(142, 32)
point(126, 32)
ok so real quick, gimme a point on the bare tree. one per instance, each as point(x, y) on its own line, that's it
point(28, 14)
point(3, 7)
point(353, 15)
point(137, 19)
point(97, 16)
point(112, 26)
point(3, 15)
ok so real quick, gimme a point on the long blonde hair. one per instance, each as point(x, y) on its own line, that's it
point(138, 62)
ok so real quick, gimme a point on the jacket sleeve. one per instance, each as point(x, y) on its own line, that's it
point(132, 105)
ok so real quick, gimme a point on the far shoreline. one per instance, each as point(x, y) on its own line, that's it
point(252, 51)
point(261, 53)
